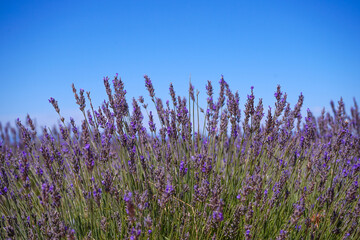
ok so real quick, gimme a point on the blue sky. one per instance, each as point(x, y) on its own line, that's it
point(305, 46)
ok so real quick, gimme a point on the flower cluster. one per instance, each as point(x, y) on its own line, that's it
point(125, 172)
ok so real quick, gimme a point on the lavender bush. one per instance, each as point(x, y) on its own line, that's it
point(243, 173)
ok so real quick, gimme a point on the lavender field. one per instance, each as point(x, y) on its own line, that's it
point(233, 170)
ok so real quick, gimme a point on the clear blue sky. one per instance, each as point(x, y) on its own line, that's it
point(306, 46)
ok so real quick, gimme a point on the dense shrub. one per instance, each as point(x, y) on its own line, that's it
point(240, 174)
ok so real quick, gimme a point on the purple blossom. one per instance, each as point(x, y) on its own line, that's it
point(169, 189)
point(218, 216)
point(127, 196)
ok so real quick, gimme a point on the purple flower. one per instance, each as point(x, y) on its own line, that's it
point(127, 197)
point(169, 189)
point(55, 104)
point(181, 166)
point(218, 216)
point(149, 86)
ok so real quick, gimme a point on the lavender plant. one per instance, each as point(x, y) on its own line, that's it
point(115, 176)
